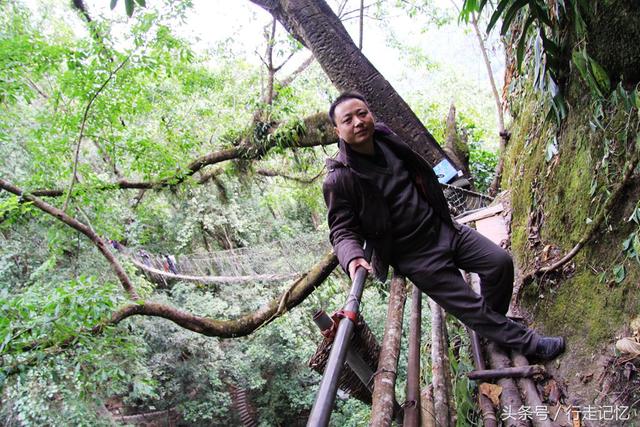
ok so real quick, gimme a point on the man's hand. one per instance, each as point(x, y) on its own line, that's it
point(358, 262)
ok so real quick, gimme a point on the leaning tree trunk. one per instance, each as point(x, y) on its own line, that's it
point(315, 25)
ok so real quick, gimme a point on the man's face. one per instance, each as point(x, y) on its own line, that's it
point(354, 123)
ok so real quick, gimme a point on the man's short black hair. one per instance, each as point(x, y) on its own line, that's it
point(344, 96)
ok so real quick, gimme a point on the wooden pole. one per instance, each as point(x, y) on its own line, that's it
point(446, 368)
point(530, 393)
point(440, 400)
point(427, 412)
point(510, 401)
point(412, 409)
point(385, 377)
point(523, 371)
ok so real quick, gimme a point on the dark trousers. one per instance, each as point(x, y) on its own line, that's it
point(434, 268)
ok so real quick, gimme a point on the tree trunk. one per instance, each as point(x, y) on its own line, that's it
point(455, 147)
point(385, 377)
point(314, 24)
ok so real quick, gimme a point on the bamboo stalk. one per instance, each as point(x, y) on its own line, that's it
point(385, 377)
point(486, 407)
point(440, 400)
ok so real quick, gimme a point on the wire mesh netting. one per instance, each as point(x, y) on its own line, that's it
point(463, 201)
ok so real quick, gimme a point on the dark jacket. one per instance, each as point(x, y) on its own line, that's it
point(357, 211)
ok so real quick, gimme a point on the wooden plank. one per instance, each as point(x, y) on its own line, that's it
point(484, 213)
point(493, 228)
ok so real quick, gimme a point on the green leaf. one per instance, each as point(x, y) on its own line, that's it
point(594, 187)
point(129, 6)
point(142, 3)
point(636, 245)
point(510, 14)
point(523, 39)
point(600, 75)
point(619, 273)
point(540, 12)
point(538, 64)
point(550, 47)
point(496, 15)
point(113, 4)
point(580, 26)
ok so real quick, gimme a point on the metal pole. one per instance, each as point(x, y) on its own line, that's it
point(322, 407)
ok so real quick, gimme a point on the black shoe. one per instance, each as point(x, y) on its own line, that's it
point(548, 348)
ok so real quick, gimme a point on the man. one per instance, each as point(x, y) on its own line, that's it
point(379, 190)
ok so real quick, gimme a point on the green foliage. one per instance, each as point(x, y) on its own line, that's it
point(551, 23)
point(483, 165)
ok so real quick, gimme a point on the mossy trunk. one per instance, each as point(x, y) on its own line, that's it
point(560, 178)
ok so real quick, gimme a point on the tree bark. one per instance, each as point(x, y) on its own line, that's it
point(385, 377)
point(455, 147)
point(314, 24)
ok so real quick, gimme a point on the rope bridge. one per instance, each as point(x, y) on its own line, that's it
point(270, 262)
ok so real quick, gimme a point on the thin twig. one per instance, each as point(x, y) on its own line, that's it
point(291, 77)
point(74, 175)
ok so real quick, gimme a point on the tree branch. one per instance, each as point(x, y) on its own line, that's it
point(319, 131)
point(291, 77)
point(245, 325)
point(82, 228)
point(266, 172)
point(229, 280)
